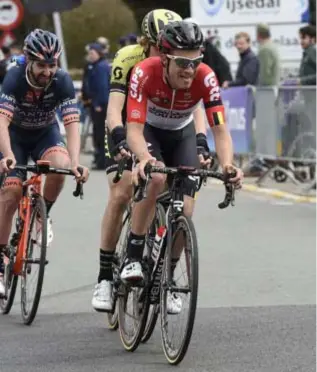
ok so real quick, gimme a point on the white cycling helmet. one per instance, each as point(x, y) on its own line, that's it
point(191, 20)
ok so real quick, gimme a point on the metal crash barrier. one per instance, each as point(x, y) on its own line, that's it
point(285, 133)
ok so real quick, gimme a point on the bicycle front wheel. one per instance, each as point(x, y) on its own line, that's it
point(176, 335)
point(154, 309)
point(34, 261)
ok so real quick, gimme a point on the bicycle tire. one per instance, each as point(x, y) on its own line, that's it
point(113, 319)
point(6, 304)
point(174, 357)
point(133, 343)
point(154, 309)
point(38, 210)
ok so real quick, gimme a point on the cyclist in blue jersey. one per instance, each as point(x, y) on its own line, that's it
point(31, 92)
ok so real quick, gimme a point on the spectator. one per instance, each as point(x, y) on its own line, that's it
point(97, 90)
point(249, 66)
point(270, 65)
point(132, 39)
point(307, 70)
point(214, 59)
point(104, 42)
point(4, 62)
point(122, 42)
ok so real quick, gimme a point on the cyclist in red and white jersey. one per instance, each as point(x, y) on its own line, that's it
point(164, 91)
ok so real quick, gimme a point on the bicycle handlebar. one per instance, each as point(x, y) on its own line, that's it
point(186, 171)
point(45, 168)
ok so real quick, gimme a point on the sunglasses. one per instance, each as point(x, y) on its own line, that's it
point(184, 62)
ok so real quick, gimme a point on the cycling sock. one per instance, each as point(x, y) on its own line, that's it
point(174, 264)
point(49, 205)
point(105, 271)
point(135, 246)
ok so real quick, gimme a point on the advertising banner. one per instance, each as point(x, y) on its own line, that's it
point(243, 12)
point(238, 104)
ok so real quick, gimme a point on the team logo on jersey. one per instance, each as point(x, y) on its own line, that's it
point(166, 101)
point(135, 114)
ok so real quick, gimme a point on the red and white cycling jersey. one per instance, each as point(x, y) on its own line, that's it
point(151, 100)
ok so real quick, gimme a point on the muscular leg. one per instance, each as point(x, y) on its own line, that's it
point(10, 196)
point(59, 158)
point(142, 217)
point(119, 197)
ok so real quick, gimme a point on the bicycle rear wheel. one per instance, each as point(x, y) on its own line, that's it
point(113, 318)
point(11, 282)
point(33, 261)
point(154, 309)
point(140, 302)
point(175, 352)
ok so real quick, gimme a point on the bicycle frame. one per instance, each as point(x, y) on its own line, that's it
point(35, 183)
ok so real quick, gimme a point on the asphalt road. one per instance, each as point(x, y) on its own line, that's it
point(256, 297)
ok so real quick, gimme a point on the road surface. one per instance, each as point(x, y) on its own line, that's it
point(256, 297)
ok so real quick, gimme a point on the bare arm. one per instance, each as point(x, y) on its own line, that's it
point(115, 106)
point(223, 143)
point(73, 142)
point(136, 141)
point(200, 120)
point(5, 145)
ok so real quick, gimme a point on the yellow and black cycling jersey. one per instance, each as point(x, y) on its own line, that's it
point(122, 65)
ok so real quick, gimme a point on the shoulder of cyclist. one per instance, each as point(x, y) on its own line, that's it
point(124, 61)
point(207, 83)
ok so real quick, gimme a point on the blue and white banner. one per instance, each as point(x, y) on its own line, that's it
point(246, 12)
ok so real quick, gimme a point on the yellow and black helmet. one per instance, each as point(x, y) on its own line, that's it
point(155, 21)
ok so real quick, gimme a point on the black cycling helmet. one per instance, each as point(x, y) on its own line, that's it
point(42, 46)
point(154, 22)
point(180, 35)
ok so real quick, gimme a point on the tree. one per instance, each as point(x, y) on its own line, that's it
point(141, 7)
point(94, 18)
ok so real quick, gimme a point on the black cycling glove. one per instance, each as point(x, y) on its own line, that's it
point(202, 145)
point(118, 136)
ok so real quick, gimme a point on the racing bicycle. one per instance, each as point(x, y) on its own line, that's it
point(29, 237)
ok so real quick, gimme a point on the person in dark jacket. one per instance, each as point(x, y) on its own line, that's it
point(307, 70)
point(97, 90)
point(215, 60)
point(249, 65)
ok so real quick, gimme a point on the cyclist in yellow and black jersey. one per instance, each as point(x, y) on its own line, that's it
point(116, 147)
point(122, 65)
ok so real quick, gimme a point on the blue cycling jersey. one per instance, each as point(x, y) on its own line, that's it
point(34, 109)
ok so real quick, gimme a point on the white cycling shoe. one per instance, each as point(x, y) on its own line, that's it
point(102, 299)
point(50, 234)
point(132, 272)
point(174, 303)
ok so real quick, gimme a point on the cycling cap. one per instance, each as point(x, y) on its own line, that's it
point(43, 46)
point(181, 35)
point(155, 21)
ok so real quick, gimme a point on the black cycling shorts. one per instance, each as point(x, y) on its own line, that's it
point(175, 148)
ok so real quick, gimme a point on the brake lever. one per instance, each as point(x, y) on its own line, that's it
point(79, 191)
point(141, 189)
point(229, 198)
